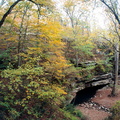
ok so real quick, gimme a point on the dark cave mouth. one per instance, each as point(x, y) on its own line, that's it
point(86, 94)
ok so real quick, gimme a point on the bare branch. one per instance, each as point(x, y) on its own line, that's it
point(8, 12)
point(35, 2)
point(112, 10)
point(110, 43)
point(11, 8)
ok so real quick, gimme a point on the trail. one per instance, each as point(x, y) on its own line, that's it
point(98, 107)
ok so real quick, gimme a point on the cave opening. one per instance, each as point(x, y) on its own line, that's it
point(86, 94)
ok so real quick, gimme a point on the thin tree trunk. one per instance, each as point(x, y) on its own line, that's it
point(114, 90)
point(76, 59)
point(20, 36)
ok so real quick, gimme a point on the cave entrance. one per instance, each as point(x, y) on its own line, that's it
point(86, 94)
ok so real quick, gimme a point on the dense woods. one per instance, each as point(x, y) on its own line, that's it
point(45, 53)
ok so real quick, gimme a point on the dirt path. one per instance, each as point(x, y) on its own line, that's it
point(99, 110)
point(93, 114)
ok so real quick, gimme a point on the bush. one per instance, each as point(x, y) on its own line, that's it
point(115, 112)
point(71, 109)
point(26, 92)
point(4, 59)
point(103, 66)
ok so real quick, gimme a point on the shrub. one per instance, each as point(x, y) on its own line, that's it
point(71, 109)
point(27, 92)
point(115, 112)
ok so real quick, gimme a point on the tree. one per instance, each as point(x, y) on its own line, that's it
point(78, 30)
point(39, 4)
point(114, 6)
point(38, 84)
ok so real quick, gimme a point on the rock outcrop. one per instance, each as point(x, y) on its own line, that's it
point(100, 80)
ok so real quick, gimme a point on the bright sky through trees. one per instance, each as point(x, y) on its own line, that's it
point(97, 17)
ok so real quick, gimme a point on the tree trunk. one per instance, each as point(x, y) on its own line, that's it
point(76, 59)
point(114, 90)
point(8, 12)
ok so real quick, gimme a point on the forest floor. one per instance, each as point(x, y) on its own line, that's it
point(99, 106)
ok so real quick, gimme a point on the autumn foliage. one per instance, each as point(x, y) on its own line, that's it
point(32, 80)
point(36, 50)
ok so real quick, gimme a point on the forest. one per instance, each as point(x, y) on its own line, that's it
point(51, 48)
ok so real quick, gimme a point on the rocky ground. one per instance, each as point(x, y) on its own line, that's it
point(98, 108)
